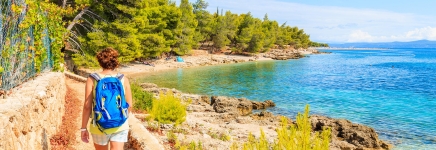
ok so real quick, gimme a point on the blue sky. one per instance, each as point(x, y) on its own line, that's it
point(340, 21)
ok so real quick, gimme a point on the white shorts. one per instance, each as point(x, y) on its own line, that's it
point(103, 139)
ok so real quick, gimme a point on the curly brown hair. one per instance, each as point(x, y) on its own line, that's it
point(108, 58)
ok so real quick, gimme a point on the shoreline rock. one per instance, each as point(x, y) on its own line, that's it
point(348, 135)
point(279, 54)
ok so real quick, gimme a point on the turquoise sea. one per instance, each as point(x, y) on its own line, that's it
point(393, 90)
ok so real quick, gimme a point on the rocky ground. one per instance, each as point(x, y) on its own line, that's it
point(218, 122)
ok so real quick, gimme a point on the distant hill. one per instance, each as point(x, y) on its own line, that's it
point(412, 44)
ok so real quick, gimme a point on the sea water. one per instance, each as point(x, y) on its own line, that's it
point(392, 90)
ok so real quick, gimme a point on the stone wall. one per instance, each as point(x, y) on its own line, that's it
point(75, 77)
point(33, 113)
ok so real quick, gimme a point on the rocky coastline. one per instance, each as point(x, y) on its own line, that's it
point(198, 58)
point(210, 117)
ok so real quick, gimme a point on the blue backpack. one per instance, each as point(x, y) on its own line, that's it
point(110, 106)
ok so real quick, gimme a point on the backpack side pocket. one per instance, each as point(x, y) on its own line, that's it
point(125, 112)
point(98, 115)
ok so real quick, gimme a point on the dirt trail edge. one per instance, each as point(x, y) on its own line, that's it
point(78, 88)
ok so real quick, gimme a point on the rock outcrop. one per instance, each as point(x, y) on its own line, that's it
point(347, 135)
point(263, 105)
point(240, 106)
point(279, 54)
point(33, 113)
point(223, 104)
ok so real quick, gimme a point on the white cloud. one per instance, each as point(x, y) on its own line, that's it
point(428, 33)
point(423, 33)
point(360, 36)
point(337, 24)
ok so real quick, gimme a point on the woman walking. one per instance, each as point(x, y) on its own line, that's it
point(104, 130)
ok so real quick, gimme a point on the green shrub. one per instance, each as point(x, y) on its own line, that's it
point(298, 136)
point(191, 146)
point(234, 146)
point(291, 137)
point(179, 130)
point(256, 144)
point(194, 146)
point(224, 137)
point(86, 61)
point(172, 138)
point(142, 100)
point(168, 109)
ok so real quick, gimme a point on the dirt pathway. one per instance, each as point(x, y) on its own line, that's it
point(78, 88)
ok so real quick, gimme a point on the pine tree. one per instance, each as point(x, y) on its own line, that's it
point(219, 36)
point(205, 22)
point(256, 42)
point(186, 29)
point(270, 29)
point(231, 22)
point(245, 31)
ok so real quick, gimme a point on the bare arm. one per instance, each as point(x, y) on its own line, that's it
point(128, 93)
point(87, 106)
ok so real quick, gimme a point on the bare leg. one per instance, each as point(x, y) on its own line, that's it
point(101, 147)
point(117, 145)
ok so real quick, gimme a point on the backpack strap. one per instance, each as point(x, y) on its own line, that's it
point(95, 76)
point(120, 76)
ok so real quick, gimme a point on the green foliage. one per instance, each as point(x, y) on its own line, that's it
point(33, 32)
point(138, 28)
point(185, 30)
point(234, 146)
point(195, 146)
point(205, 22)
point(191, 146)
point(224, 137)
point(168, 109)
point(172, 138)
point(87, 60)
point(141, 29)
point(316, 44)
point(258, 144)
point(295, 137)
point(45, 20)
point(142, 100)
point(270, 30)
point(298, 136)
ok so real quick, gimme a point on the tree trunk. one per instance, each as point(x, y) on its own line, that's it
point(78, 16)
point(64, 3)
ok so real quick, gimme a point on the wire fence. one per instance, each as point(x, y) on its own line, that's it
point(17, 46)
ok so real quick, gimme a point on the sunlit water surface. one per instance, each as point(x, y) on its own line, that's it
point(393, 91)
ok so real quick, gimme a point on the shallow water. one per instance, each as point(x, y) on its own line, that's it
point(393, 91)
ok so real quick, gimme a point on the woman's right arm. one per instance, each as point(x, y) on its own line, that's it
point(87, 106)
